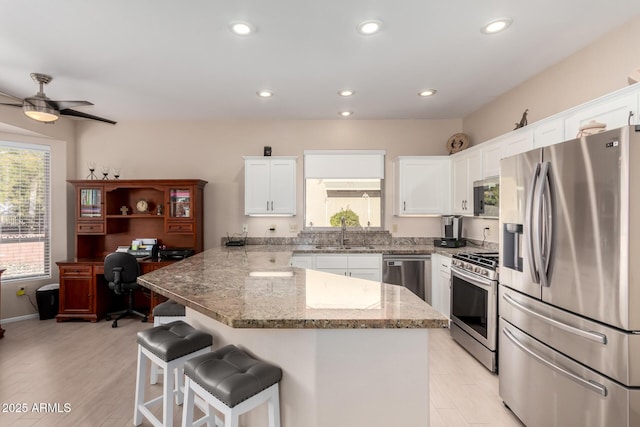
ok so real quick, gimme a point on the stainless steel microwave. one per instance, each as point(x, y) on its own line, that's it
point(486, 197)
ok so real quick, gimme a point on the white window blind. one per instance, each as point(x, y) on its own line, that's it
point(343, 164)
point(25, 204)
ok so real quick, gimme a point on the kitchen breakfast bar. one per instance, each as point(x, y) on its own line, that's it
point(353, 352)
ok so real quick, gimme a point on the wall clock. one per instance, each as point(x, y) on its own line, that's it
point(142, 206)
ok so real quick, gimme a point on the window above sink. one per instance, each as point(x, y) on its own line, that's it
point(345, 184)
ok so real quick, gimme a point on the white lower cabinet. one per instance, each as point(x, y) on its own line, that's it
point(441, 284)
point(302, 261)
point(363, 266)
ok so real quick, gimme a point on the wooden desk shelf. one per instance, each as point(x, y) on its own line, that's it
point(174, 217)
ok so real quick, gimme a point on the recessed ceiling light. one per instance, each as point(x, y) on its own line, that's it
point(496, 26)
point(264, 93)
point(242, 28)
point(369, 27)
point(346, 113)
point(346, 92)
point(427, 92)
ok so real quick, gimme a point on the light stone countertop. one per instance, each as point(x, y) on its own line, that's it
point(255, 287)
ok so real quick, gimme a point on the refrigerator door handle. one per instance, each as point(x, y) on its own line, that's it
point(591, 385)
point(547, 235)
point(590, 335)
point(535, 278)
point(537, 228)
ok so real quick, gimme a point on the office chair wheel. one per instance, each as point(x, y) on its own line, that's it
point(145, 320)
point(108, 317)
point(114, 324)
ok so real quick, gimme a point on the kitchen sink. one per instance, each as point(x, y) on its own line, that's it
point(346, 247)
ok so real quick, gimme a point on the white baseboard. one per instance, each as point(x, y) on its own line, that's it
point(19, 318)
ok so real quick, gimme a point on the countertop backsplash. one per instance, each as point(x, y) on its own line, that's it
point(356, 237)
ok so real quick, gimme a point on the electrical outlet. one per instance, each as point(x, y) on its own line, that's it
point(245, 228)
point(394, 228)
point(293, 227)
point(20, 292)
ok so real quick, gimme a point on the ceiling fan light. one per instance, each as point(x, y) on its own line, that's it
point(40, 111)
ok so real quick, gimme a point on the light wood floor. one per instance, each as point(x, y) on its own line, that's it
point(91, 368)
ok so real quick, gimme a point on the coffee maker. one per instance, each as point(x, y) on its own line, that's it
point(451, 232)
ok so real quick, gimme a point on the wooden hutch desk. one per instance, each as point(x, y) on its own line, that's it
point(109, 214)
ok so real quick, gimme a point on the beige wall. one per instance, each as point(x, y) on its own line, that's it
point(594, 71)
point(16, 127)
point(213, 151)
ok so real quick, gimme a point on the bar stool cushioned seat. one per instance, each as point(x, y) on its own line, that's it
point(231, 375)
point(173, 340)
point(168, 346)
point(169, 308)
point(233, 382)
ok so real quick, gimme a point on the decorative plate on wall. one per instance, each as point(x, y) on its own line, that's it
point(457, 142)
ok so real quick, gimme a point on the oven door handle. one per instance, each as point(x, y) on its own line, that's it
point(591, 385)
point(483, 283)
point(590, 335)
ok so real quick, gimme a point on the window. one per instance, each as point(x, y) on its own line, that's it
point(24, 210)
point(345, 184)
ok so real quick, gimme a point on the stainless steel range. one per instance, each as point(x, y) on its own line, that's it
point(474, 305)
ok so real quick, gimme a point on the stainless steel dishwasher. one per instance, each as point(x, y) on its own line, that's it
point(411, 271)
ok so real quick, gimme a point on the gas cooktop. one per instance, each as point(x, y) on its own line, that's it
point(484, 264)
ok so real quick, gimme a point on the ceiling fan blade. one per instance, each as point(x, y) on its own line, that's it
point(74, 113)
point(11, 105)
point(61, 105)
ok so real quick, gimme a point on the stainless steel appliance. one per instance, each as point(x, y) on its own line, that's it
point(411, 271)
point(486, 197)
point(451, 232)
point(474, 310)
point(569, 302)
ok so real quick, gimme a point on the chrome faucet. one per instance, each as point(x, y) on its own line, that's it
point(343, 225)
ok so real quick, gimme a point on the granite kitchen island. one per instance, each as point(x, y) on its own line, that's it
point(353, 352)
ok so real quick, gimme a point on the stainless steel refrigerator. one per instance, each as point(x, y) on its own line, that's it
point(569, 298)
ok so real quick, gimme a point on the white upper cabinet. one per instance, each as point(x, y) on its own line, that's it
point(517, 142)
point(466, 168)
point(491, 153)
point(612, 110)
point(270, 186)
point(422, 185)
point(548, 133)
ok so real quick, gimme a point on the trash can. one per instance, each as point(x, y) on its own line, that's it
point(47, 298)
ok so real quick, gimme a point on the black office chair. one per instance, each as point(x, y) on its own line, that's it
point(121, 271)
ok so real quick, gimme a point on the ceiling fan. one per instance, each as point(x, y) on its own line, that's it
point(40, 108)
